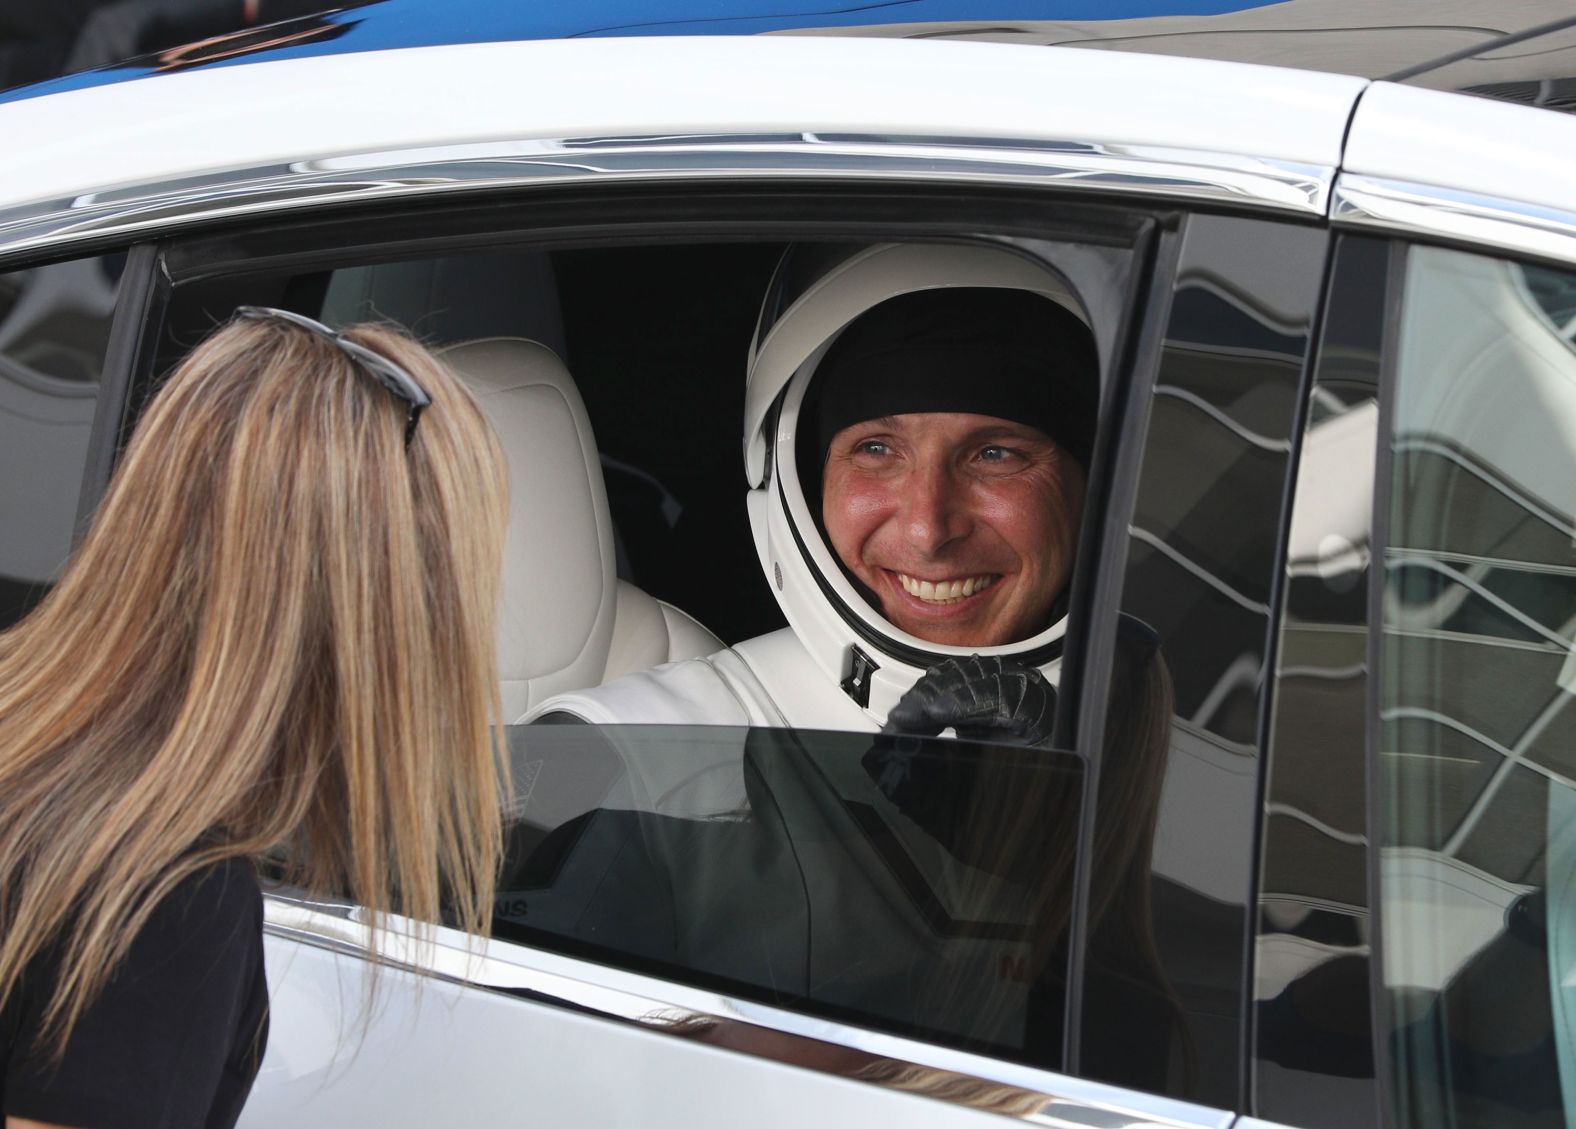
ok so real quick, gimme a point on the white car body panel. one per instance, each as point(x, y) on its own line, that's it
point(440, 1054)
point(1473, 170)
point(1469, 145)
point(427, 101)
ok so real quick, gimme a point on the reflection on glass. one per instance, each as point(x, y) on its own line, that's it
point(1200, 564)
point(54, 327)
point(1220, 429)
point(1312, 971)
point(1313, 1048)
point(920, 886)
point(1478, 734)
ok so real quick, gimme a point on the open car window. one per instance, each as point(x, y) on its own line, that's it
point(921, 889)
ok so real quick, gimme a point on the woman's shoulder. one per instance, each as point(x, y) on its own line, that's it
point(234, 876)
point(214, 901)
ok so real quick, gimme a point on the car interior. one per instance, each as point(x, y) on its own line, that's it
point(616, 381)
point(615, 372)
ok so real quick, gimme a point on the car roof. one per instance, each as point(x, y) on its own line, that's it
point(1477, 46)
point(318, 121)
point(325, 116)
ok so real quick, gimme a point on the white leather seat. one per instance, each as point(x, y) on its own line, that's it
point(566, 620)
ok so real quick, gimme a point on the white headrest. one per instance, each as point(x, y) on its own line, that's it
point(559, 583)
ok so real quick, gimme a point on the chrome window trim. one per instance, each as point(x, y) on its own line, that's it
point(613, 993)
point(1218, 178)
point(1365, 203)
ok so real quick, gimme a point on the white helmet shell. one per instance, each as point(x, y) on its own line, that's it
point(850, 641)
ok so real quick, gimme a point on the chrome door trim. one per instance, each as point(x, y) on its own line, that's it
point(1399, 207)
point(1218, 178)
point(661, 1006)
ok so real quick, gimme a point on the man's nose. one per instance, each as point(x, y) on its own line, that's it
point(935, 512)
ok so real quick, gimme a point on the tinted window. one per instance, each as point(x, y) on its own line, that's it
point(1312, 1048)
point(1477, 749)
point(54, 326)
point(912, 885)
point(1200, 569)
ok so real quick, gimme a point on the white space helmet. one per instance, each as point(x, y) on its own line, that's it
point(812, 298)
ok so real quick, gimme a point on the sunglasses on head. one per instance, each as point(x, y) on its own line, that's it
point(394, 378)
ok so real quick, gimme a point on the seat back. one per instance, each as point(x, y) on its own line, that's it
point(563, 614)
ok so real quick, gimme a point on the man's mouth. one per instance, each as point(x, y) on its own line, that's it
point(946, 591)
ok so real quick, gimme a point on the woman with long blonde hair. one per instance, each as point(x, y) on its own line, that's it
point(276, 639)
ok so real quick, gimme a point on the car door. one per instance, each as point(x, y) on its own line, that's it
point(1200, 248)
point(1412, 962)
point(1198, 435)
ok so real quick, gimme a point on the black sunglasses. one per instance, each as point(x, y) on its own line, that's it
point(390, 375)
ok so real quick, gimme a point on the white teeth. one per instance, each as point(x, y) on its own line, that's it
point(944, 591)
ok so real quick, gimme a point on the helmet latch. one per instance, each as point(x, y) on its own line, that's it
point(860, 671)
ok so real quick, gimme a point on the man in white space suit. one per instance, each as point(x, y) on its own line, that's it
point(918, 426)
point(918, 423)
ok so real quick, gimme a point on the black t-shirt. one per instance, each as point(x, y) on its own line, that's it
point(175, 1038)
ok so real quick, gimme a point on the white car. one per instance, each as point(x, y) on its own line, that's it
point(1335, 304)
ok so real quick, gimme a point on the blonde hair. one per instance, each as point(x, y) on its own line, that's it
point(1021, 822)
point(278, 633)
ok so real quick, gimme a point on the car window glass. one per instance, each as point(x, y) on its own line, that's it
point(914, 885)
point(1311, 1040)
point(54, 327)
point(1477, 752)
point(1200, 565)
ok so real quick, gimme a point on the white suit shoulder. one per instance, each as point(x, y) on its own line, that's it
point(717, 689)
point(770, 680)
point(803, 693)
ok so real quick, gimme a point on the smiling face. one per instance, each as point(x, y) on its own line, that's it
point(962, 526)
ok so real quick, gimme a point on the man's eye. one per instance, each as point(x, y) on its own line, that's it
point(994, 454)
point(871, 447)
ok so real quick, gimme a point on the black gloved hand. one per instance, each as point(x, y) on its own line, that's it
point(984, 699)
